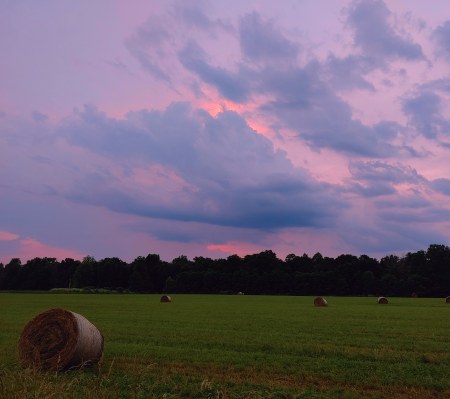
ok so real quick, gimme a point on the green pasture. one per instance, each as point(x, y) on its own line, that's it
point(225, 346)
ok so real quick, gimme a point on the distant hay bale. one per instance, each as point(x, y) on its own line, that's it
point(414, 295)
point(447, 300)
point(58, 339)
point(165, 299)
point(319, 301)
point(382, 300)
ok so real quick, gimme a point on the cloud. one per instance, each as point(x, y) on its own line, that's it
point(374, 35)
point(174, 173)
point(7, 236)
point(194, 16)
point(29, 248)
point(425, 114)
point(203, 157)
point(306, 104)
point(389, 236)
point(150, 44)
point(348, 73)
point(442, 37)
point(39, 117)
point(300, 98)
point(408, 220)
point(383, 171)
point(164, 40)
point(440, 85)
point(441, 185)
point(378, 178)
point(230, 85)
point(261, 41)
point(426, 215)
point(236, 248)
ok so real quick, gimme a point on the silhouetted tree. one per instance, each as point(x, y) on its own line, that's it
point(85, 274)
point(65, 271)
point(12, 274)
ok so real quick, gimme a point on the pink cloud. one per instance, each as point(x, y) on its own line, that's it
point(235, 248)
point(31, 248)
point(7, 236)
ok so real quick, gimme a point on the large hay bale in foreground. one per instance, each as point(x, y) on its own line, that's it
point(319, 301)
point(447, 300)
point(382, 300)
point(165, 299)
point(58, 339)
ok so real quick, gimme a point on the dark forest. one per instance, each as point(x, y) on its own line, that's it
point(421, 273)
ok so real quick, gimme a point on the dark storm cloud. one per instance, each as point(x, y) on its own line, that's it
point(209, 155)
point(375, 36)
point(425, 114)
point(260, 40)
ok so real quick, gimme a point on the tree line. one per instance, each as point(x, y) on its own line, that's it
point(421, 273)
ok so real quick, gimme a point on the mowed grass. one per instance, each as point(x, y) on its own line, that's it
point(208, 346)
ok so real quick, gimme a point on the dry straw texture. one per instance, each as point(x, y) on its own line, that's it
point(382, 300)
point(319, 301)
point(166, 298)
point(58, 339)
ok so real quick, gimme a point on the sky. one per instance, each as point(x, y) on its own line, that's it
point(213, 128)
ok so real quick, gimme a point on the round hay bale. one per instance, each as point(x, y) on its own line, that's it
point(447, 300)
point(165, 299)
point(319, 301)
point(382, 300)
point(58, 339)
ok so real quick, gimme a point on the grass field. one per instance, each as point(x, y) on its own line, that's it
point(205, 346)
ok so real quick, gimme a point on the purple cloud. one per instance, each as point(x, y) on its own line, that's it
point(207, 154)
point(261, 41)
point(230, 85)
point(194, 16)
point(306, 104)
point(348, 73)
point(442, 36)
point(441, 185)
point(425, 114)
point(149, 46)
point(383, 171)
point(378, 178)
point(375, 36)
